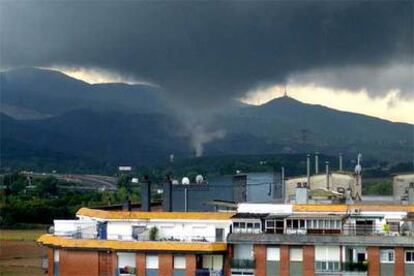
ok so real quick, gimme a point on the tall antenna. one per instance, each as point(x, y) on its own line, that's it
point(285, 90)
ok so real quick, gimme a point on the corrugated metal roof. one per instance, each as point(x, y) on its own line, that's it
point(153, 215)
point(64, 242)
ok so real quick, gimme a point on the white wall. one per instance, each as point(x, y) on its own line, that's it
point(178, 229)
point(69, 227)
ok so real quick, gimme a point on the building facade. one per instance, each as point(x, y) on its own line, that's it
point(258, 239)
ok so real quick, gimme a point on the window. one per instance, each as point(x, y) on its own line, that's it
point(56, 262)
point(273, 254)
point(296, 223)
point(126, 263)
point(296, 254)
point(243, 251)
point(247, 227)
point(327, 258)
point(387, 255)
point(270, 223)
point(409, 256)
point(179, 262)
point(213, 262)
point(151, 262)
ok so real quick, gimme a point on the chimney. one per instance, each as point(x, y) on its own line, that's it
point(239, 187)
point(146, 195)
point(411, 193)
point(327, 174)
point(167, 195)
point(282, 179)
point(340, 162)
point(127, 205)
point(316, 163)
point(308, 169)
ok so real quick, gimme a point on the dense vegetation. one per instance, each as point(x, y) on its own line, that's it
point(23, 206)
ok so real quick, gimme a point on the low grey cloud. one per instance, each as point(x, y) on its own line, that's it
point(209, 52)
point(376, 81)
point(206, 54)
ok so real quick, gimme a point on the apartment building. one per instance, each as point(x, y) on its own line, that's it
point(259, 239)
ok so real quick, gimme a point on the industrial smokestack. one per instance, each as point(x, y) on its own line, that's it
point(239, 186)
point(146, 195)
point(127, 205)
point(327, 174)
point(167, 195)
point(282, 176)
point(185, 199)
point(308, 169)
point(411, 193)
point(340, 162)
point(316, 163)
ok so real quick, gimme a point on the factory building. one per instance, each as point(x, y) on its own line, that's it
point(401, 184)
point(241, 187)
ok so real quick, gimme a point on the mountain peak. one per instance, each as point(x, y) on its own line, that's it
point(284, 100)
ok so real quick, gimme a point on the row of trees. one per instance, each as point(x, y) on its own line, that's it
point(23, 205)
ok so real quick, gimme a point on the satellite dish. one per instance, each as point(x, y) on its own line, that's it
point(199, 179)
point(185, 181)
point(175, 182)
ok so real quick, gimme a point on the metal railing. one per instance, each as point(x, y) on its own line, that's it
point(242, 264)
point(346, 230)
point(355, 266)
point(208, 272)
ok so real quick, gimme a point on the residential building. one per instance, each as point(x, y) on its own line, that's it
point(259, 239)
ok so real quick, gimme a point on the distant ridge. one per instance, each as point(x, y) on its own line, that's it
point(53, 115)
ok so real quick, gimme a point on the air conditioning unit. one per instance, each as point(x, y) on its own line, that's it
point(355, 211)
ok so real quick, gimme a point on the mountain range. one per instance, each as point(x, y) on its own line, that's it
point(49, 118)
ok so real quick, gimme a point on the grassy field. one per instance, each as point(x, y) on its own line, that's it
point(19, 253)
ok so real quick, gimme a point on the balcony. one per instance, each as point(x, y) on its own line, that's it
point(242, 264)
point(355, 266)
point(208, 272)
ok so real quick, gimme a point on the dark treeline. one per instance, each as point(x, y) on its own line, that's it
point(23, 205)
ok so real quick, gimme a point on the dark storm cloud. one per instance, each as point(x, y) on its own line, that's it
point(206, 52)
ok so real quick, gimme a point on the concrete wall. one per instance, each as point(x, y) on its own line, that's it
point(180, 229)
point(318, 181)
point(400, 183)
